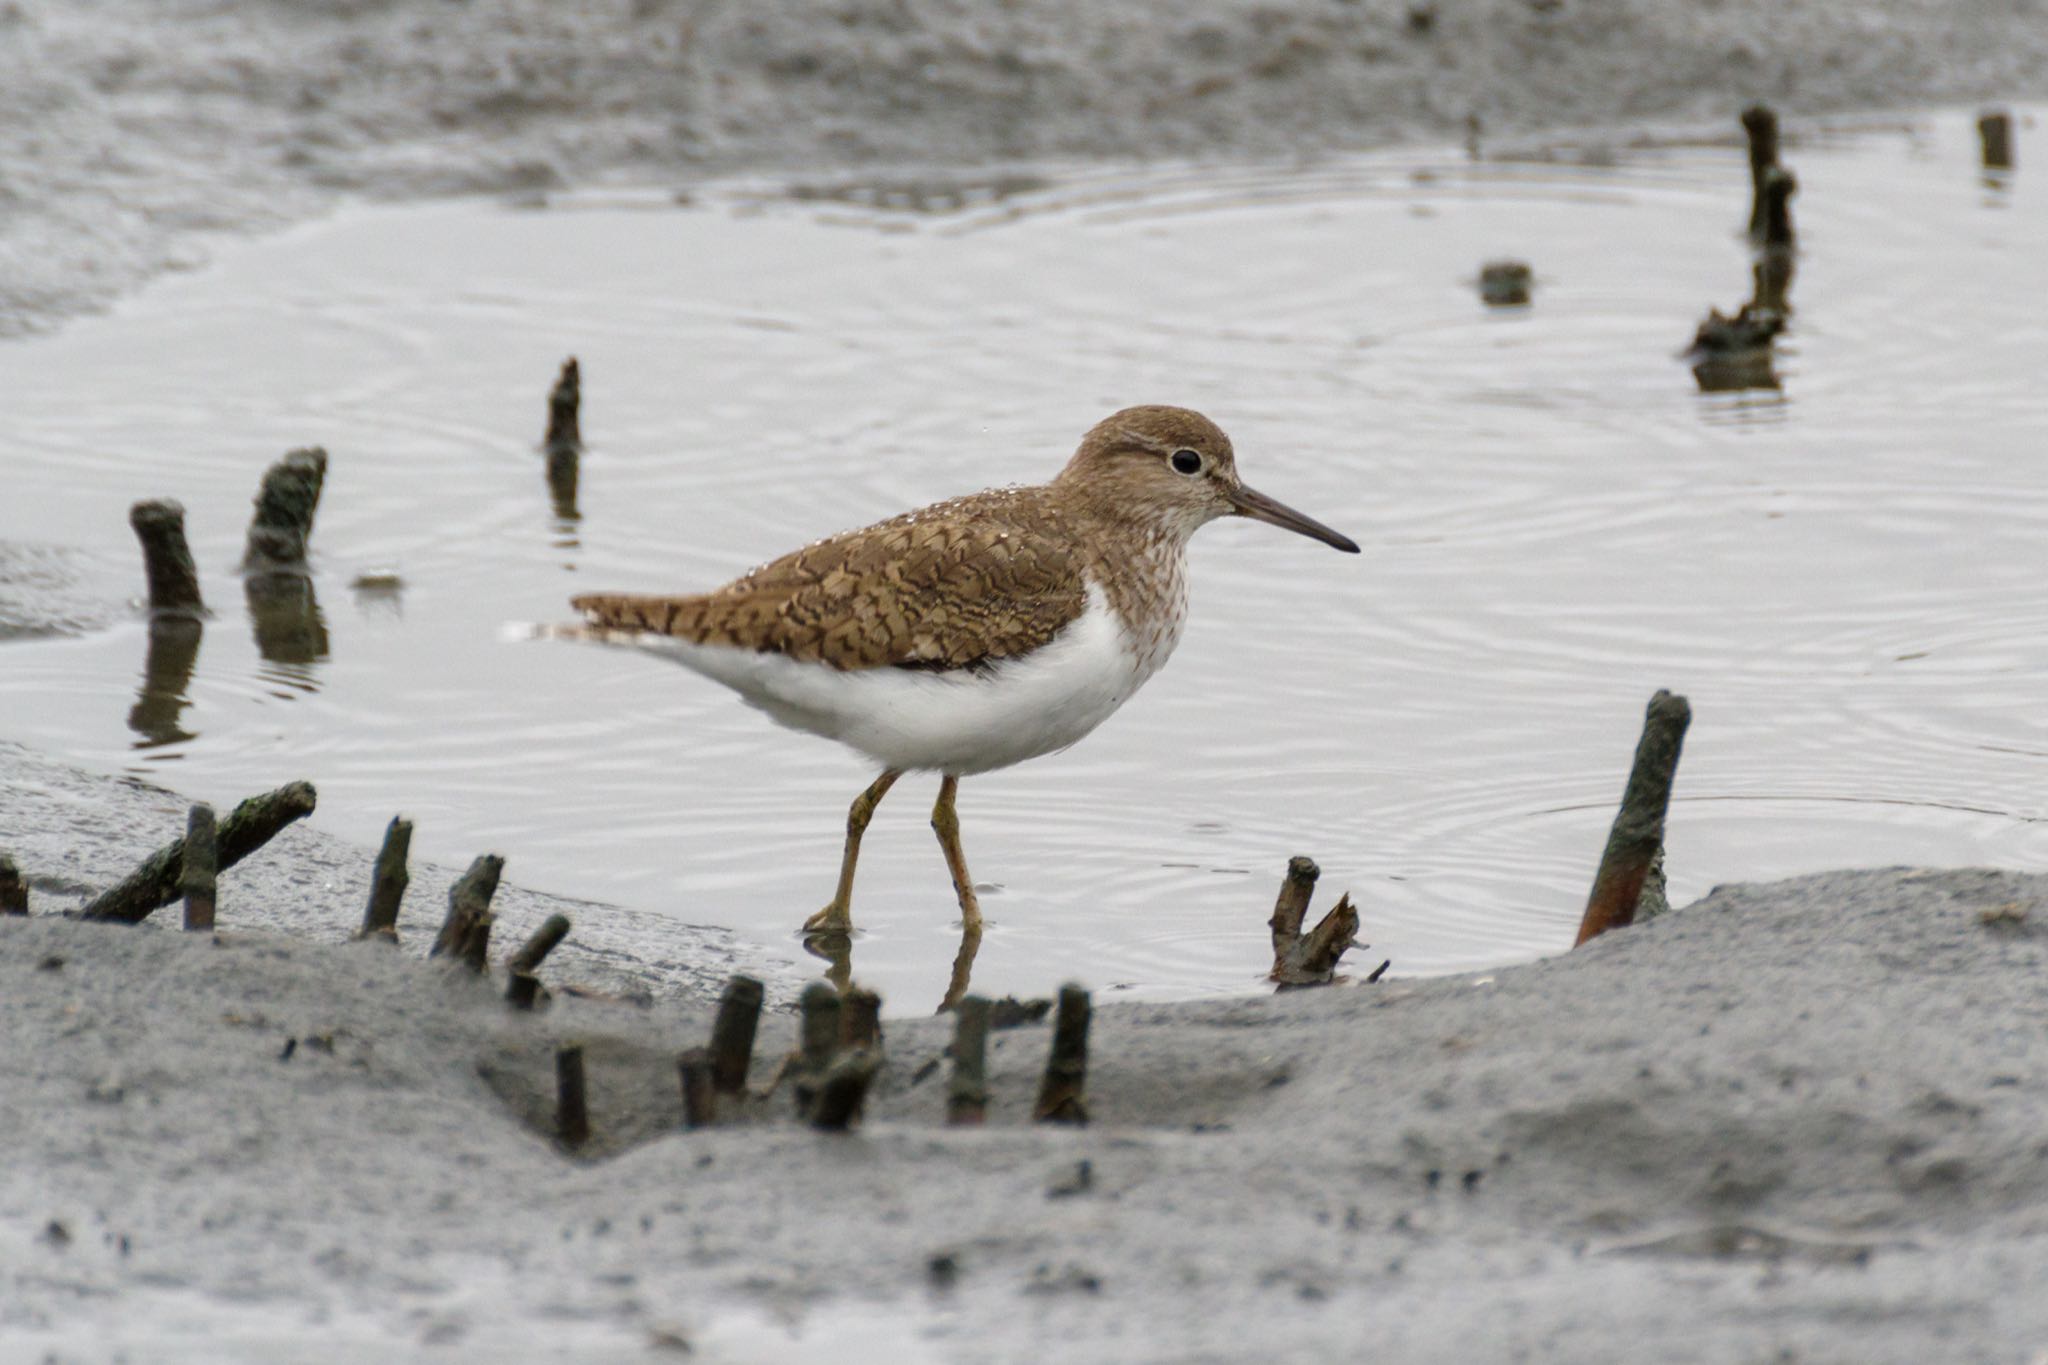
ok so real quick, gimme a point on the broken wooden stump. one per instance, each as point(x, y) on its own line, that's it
point(1506, 284)
point(388, 882)
point(285, 504)
point(732, 1035)
point(1638, 831)
point(166, 558)
point(564, 441)
point(843, 1088)
point(199, 868)
point(1061, 1094)
point(466, 932)
point(700, 1097)
point(1308, 959)
point(572, 1110)
point(523, 991)
point(1994, 137)
point(158, 881)
point(860, 1018)
point(1761, 124)
point(817, 1042)
point(967, 1090)
point(13, 891)
point(565, 402)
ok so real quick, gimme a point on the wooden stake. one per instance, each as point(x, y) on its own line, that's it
point(1762, 126)
point(967, 1091)
point(700, 1098)
point(1066, 1068)
point(732, 1035)
point(388, 882)
point(565, 403)
point(564, 441)
point(523, 990)
point(158, 881)
point(544, 941)
point(1292, 906)
point(843, 1090)
point(572, 1113)
point(1312, 961)
point(818, 1042)
point(199, 868)
point(860, 1018)
point(285, 504)
point(166, 558)
point(1639, 826)
point(13, 891)
point(1994, 132)
point(466, 932)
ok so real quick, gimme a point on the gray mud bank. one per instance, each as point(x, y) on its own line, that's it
point(1798, 1122)
point(131, 134)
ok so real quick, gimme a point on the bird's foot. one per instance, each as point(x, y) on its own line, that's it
point(833, 919)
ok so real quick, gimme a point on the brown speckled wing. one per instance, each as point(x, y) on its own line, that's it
point(956, 585)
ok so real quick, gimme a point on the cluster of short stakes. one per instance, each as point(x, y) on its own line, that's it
point(1737, 351)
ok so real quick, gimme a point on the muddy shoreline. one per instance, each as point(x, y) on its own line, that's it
point(1794, 1122)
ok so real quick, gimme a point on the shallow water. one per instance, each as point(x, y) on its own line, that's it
point(1843, 573)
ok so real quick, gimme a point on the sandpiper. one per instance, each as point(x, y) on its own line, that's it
point(971, 634)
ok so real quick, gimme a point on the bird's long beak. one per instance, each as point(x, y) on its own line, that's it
point(1249, 502)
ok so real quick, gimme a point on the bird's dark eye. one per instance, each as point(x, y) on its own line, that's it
point(1186, 462)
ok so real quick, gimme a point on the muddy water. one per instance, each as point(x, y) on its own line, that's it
point(1843, 572)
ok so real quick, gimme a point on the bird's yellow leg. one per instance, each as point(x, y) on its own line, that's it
point(946, 824)
point(838, 916)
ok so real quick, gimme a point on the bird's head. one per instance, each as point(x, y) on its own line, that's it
point(1174, 469)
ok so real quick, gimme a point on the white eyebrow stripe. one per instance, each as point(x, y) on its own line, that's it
point(1137, 439)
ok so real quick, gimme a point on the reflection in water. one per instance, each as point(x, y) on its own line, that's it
point(166, 681)
point(285, 612)
point(836, 948)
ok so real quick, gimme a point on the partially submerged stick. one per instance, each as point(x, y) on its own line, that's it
point(466, 932)
point(732, 1034)
point(565, 403)
point(700, 1099)
point(1292, 906)
point(967, 1091)
point(843, 1089)
point(13, 891)
point(157, 882)
point(564, 441)
point(1994, 133)
point(1779, 187)
point(199, 868)
point(285, 504)
point(572, 1111)
point(1638, 831)
point(1762, 126)
point(1312, 961)
point(166, 558)
point(388, 882)
point(524, 988)
point(1308, 959)
point(1060, 1094)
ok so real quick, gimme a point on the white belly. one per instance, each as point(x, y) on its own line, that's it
point(960, 722)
